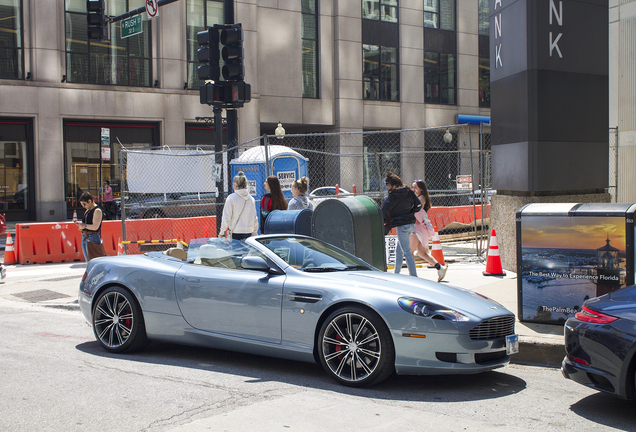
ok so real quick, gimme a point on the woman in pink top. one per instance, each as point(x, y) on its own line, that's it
point(424, 229)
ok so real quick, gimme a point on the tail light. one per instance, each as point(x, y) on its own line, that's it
point(84, 277)
point(588, 315)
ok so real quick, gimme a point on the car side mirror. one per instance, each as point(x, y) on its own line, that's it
point(257, 263)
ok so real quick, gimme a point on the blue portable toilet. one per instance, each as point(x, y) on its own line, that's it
point(285, 163)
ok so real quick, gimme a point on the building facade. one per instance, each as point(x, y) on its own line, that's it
point(622, 91)
point(68, 104)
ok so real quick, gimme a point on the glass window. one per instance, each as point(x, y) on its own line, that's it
point(381, 155)
point(200, 15)
point(11, 49)
point(91, 158)
point(484, 19)
point(380, 73)
point(117, 61)
point(439, 14)
point(14, 164)
point(440, 78)
point(310, 48)
point(384, 10)
point(484, 82)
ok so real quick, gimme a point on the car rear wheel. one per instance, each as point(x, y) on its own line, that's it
point(355, 347)
point(118, 322)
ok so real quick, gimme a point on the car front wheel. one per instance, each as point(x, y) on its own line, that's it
point(118, 322)
point(356, 347)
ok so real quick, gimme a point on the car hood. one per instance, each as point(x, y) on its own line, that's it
point(453, 297)
point(620, 303)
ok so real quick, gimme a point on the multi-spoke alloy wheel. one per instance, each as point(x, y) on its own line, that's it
point(356, 347)
point(117, 321)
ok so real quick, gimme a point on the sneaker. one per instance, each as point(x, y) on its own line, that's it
point(441, 272)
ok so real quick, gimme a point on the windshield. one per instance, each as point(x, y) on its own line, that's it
point(312, 255)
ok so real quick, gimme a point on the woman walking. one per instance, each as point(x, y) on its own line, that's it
point(299, 191)
point(91, 223)
point(273, 199)
point(398, 210)
point(424, 229)
point(239, 213)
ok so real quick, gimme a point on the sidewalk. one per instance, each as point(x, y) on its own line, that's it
point(539, 344)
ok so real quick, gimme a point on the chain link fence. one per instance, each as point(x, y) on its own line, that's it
point(174, 185)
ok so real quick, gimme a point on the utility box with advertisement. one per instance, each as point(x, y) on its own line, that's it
point(568, 253)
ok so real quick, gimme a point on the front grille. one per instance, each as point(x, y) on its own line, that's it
point(494, 328)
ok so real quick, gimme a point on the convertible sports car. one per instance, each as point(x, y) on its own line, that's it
point(295, 297)
point(600, 344)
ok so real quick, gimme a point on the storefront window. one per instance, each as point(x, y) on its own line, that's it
point(91, 154)
point(200, 15)
point(117, 61)
point(11, 52)
point(381, 155)
point(16, 147)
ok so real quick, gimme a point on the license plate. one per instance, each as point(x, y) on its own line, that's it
point(512, 344)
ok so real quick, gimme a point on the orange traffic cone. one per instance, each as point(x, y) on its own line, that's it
point(436, 250)
point(120, 247)
point(9, 253)
point(74, 215)
point(493, 264)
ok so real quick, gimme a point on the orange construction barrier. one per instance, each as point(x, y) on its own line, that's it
point(9, 253)
point(493, 264)
point(48, 243)
point(436, 250)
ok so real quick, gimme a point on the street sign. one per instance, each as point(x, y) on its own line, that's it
point(152, 9)
point(131, 26)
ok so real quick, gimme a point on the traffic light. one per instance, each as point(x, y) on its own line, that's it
point(236, 93)
point(232, 52)
point(210, 93)
point(208, 54)
point(96, 19)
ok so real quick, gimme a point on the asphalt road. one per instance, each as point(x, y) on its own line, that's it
point(55, 377)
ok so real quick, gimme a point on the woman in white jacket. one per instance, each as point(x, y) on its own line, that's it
point(239, 213)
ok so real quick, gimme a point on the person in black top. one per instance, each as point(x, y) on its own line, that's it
point(398, 210)
point(91, 223)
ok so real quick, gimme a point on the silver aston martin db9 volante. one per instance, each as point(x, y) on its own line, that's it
point(299, 298)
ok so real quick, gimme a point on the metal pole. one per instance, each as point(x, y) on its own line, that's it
point(265, 144)
point(228, 11)
point(218, 159)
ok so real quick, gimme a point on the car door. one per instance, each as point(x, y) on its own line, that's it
point(217, 295)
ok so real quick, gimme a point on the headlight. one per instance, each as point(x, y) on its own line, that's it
point(430, 310)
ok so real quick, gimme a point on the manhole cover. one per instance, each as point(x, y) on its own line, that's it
point(40, 295)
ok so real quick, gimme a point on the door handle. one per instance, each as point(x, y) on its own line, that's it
point(194, 280)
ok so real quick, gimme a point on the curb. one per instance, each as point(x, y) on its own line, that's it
point(537, 353)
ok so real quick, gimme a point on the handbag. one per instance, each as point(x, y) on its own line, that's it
point(95, 250)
